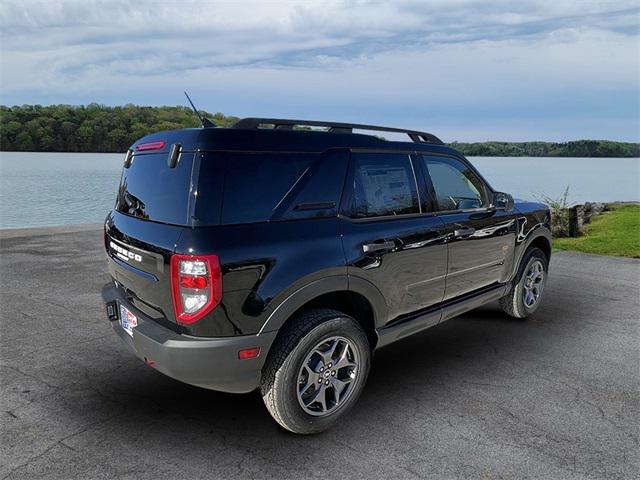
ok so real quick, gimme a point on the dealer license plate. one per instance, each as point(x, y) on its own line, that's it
point(128, 320)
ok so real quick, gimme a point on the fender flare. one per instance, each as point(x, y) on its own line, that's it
point(335, 283)
point(299, 297)
point(540, 232)
point(369, 291)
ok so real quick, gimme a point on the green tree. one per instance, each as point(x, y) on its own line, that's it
point(100, 128)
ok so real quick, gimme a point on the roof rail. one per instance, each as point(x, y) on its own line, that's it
point(335, 127)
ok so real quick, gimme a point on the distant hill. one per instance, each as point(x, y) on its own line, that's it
point(90, 128)
point(99, 128)
point(577, 148)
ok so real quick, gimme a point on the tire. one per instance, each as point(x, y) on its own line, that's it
point(294, 375)
point(521, 302)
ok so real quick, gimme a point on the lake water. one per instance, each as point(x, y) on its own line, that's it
point(41, 189)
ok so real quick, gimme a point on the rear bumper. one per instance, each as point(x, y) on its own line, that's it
point(211, 363)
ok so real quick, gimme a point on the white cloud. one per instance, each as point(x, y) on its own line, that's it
point(510, 63)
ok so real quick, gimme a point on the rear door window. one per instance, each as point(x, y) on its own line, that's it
point(382, 185)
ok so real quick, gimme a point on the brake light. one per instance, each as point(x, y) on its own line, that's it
point(196, 286)
point(193, 282)
point(158, 145)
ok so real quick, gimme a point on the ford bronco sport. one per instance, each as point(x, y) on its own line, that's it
point(279, 254)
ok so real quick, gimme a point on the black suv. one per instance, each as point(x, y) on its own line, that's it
point(279, 254)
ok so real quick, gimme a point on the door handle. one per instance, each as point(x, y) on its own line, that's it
point(464, 232)
point(377, 247)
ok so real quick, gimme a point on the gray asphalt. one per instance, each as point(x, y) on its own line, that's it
point(481, 396)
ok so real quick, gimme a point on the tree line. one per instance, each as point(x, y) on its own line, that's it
point(577, 148)
point(100, 128)
point(90, 128)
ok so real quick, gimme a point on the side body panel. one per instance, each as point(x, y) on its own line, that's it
point(262, 265)
point(484, 257)
point(534, 225)
point(411, 275)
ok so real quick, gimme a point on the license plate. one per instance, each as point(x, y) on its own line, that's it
point(128, 320)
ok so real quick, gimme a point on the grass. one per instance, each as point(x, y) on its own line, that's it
point(616, 232)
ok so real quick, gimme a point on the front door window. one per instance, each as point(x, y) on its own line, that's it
point(456, 186)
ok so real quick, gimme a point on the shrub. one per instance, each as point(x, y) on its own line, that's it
point(559, 213)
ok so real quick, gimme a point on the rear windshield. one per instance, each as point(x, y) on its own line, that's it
point(150, 190)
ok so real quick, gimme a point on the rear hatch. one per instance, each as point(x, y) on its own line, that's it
point(153, 207)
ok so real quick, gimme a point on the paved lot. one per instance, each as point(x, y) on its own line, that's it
point(480, 396)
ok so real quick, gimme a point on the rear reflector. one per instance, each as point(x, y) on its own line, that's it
point(158, 145)
point(248, 353)
point(196, 286)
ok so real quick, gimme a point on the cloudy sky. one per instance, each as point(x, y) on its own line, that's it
point(465, 70)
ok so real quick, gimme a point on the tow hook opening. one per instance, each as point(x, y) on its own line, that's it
point(112, 311)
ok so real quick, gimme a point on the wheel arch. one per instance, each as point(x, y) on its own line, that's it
point(537, 238)
point(543, 243)
point(353, 296)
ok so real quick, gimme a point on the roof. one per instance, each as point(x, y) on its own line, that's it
point(281, 135)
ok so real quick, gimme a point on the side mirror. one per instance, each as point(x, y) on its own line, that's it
point(503, 201)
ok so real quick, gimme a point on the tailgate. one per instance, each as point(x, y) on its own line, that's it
point(139, 254)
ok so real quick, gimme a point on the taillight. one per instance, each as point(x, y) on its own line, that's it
point(196, 286)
